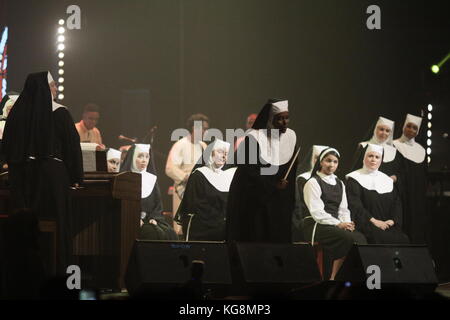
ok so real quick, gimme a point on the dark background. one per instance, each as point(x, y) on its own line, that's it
point(155, 62)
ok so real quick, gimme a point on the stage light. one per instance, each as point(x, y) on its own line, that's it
point(61, 96)
point(430, 108)
point(435, 69)
point(430, 116)
point(61, 30)
point(61, 22)
point(429, 125)
point(61, 88)
point(61, 47)
point(61, 63)
point(61, 80)
point(61, 38)
point(61, 55)
point(429, 159)
point(428, 151)
point(429, 142)
point(61, 72)
point(429, 133)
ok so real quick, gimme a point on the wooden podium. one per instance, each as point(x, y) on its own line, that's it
point(104, 223)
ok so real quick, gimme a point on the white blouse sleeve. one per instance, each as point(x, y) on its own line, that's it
point(316, 207)
point(344, 212)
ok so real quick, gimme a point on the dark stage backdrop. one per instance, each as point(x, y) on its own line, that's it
point(155, 62)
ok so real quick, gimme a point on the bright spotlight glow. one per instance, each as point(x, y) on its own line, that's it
point(429, 133)
point(61, 47)
point(61, 96)
point(61, 88)
point(61, 38)
point(61, 22)
point(429, 142)
point(429, 125)
point(61, 63)
point(61, 72)
point(430, 116)
point(61, 55)
point(428, 151)
point(61, 30)
point(429, 159)
point(61, 80)
point(430, 107)
point(435, 69)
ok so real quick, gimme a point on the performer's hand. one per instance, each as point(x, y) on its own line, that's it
point(379, 224)
point(346, 226)
point(390, 222)
point(153, 221)
point(282, 184)
point(100, 147)
point(394, 177)
point(142, 223)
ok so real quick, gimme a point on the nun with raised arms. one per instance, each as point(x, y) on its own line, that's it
point(328, 221)
point(113, 158)
point(382, 134)
point(202, 212)
point(262, 198)
point(415, 220)
point(42, 149)
point(153, 224)
point(374, 202)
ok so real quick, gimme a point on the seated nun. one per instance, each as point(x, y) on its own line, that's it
point(113, 158)
point(202, 212)
point(374, 202)
point(154, 225)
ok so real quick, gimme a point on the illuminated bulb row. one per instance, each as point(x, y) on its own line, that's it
point(429, 133)
point(61, 47)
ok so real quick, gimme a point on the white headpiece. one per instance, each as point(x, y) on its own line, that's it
point(139, 148)
point(414, 119)
point(386, 122)
point(374, 148)
point(113, 154)
point(216, 145)
point(328, 150)
point(281, 106)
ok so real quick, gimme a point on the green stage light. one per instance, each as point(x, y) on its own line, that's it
point(435, 69)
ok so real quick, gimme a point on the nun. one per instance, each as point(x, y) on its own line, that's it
point(262, 193)
point(113, 158)
point(374, 202)
point(305, 169)
point(382, 134)
point(153, 224)
point(203, 209)
point(42, 149)
point(6, 106)
point(415, 181)
point(328, 220)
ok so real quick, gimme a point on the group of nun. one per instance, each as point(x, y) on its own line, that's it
point(262, 196)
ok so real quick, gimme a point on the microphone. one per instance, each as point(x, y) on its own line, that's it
point(122, 137)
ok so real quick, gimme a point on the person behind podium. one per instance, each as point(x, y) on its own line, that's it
point(87, 126)
point(153, 224)
point(42, 149)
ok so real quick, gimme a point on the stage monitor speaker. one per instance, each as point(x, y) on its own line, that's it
point(272, 269)
point(164, 267)
point(400, 266)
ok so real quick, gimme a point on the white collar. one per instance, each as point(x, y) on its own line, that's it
point(330, 179)
point(148, 184)
point(220, 179)
point(410, 149)
point(56, 106)
point(275, 151)
point(372, 180)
